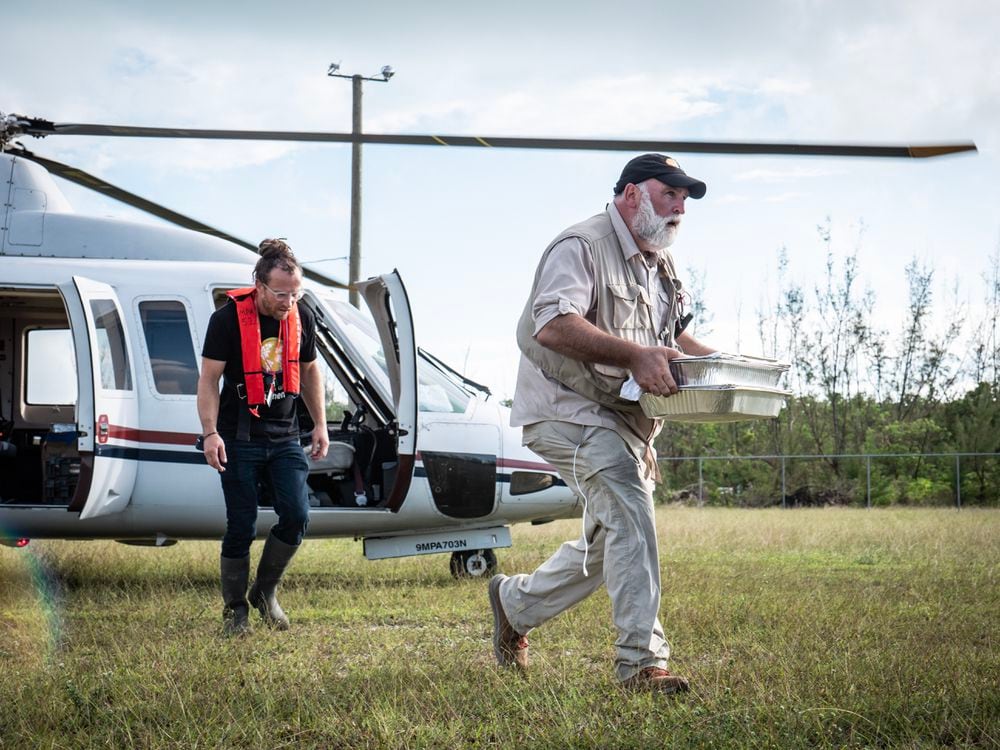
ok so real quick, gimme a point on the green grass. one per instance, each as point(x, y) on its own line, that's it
point(806, 628)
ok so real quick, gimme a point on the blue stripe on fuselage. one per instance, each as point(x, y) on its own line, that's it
point(196, 458)
point(191, 456)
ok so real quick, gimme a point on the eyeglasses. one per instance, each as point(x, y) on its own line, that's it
point(283, 296)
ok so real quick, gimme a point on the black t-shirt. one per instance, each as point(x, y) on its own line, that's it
point(222, 342)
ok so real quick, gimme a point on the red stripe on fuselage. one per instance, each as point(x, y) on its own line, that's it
point(121, 432)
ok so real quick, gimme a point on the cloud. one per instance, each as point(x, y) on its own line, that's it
point(741, 198)
point(897, 71)
point(595, 106)
point(788, 174)
point(731, 198)
point(776, 86)
point(820, 70)
point(196, 160)
point(132, 63)
point(783, 197)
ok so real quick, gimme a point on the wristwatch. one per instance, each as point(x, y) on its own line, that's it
point(200, 442)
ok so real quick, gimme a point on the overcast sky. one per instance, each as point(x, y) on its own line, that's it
point(465, 227)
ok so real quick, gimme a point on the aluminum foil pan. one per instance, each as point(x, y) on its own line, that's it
point(727, 369)
point(715, 403)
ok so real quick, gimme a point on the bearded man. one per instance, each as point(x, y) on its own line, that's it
point(605, 303)
point(263, 347)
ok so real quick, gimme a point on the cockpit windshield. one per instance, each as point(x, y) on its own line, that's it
point(436, 390)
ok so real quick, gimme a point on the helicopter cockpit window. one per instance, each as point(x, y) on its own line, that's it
point(337, 400)
point(116, 375)
point(360, 330)
point(167, 332)
point(50, 369)
point(435, 391)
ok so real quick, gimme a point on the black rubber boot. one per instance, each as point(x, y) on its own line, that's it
point(273, 562)
point(236, 612)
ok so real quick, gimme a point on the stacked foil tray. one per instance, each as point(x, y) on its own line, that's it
point(720, 388)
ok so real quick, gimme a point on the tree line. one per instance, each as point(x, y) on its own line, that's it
point(928, 386)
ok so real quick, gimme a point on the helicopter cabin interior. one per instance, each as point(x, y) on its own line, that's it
point(39, 461)
point(40, 464)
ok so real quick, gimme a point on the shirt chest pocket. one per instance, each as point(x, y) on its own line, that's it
point(629, 306)
point(665, 312)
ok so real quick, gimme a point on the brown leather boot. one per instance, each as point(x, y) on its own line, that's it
point(509, 646)
point(656, 680)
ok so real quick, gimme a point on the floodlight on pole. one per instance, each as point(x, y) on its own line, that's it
point(354, 271)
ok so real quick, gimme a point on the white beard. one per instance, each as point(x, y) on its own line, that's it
point(658, 231)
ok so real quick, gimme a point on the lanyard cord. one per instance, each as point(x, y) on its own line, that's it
point(583, 523)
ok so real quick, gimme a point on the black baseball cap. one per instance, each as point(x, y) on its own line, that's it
point(664, 168)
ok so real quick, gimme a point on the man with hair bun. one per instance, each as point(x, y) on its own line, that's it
point(262, 346)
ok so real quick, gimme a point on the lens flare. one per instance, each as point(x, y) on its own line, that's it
point(44, 626)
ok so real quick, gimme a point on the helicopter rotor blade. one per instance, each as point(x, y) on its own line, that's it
point(87, 180)
point(700, 147)
point(41, 128)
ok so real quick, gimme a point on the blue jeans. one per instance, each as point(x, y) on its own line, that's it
point(252, 466)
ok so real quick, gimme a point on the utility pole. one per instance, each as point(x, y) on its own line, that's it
point(354, 270)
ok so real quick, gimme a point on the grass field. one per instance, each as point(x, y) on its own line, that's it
point(805, 628)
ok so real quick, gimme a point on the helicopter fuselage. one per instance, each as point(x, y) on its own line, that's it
point(101, 325)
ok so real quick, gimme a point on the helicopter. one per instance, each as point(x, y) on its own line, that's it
point(100, 323)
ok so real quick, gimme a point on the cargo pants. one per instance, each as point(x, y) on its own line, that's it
point(619, 540)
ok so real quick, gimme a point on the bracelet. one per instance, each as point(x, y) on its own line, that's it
point(199, 444)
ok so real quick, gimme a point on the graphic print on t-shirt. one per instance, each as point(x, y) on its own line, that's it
point(271, 350)
point(270, 355)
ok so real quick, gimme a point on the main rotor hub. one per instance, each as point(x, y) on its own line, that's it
point(12, 126)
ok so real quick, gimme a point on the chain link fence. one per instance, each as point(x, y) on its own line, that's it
point(839, 479)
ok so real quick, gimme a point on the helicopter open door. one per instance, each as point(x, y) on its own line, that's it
point(390, 307)
point(107, 403)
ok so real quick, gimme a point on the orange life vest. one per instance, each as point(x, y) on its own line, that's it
point(289, 333)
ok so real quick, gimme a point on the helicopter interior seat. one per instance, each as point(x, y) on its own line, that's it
point(358, 470)
point(347, 477)
point(337, 465)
